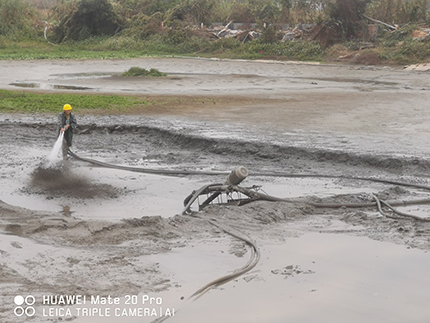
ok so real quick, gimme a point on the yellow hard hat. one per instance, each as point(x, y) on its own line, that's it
point(67, 107)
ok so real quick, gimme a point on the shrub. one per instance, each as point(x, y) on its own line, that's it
point(193, 11)
point(269, 35)
point(299, 50)
point(223, 44)
point(91, 18)
point(143, 26)
point(391, 39)
point(16, 20)
point(345, 16)
point(139, 72)
point(415, 49)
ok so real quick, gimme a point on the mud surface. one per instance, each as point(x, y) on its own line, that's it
point(312, 134)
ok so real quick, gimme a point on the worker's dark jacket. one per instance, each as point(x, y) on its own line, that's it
point(63, 121)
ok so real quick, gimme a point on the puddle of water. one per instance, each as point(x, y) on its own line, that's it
point(190, 268)
point(335, 278)
point(321, 187)
point(71, 87)
point(90, 75)
point(326, 278)
point(30, 85)
point(164, 195)
point(49, 86)
point(149, 195)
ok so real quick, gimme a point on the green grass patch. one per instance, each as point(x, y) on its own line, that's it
point(398, 50)
point(141, 72)
point(30, 50)
point(127, 47)
point(11, 101)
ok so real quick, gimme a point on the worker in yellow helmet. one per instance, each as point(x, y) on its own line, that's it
point(66, 123)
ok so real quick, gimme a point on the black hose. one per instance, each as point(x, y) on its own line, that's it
point(254, 259)
point(214, 173)
point(252, 262)
point(145, 170)
point(256, 195)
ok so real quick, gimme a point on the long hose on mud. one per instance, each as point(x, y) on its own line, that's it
point(273, 198)
point(254, 259)
point(214, 173)
point(252, 262)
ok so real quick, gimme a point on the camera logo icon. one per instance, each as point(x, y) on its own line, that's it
point(24, 305)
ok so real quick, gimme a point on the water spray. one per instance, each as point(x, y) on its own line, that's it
point(54, 156)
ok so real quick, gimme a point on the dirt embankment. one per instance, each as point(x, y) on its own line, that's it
point(176, 147)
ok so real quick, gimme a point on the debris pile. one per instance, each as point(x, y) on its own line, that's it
point(421, 34)
point(250, 31)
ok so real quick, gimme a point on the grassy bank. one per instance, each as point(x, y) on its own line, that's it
point(93, 104)
point(30, 50)
point(121, 29)
point(123, 48)
point(11, 101)
point(388, 52)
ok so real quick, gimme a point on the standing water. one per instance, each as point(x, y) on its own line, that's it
point(55, 156)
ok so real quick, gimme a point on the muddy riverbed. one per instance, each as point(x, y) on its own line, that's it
point(114, 245)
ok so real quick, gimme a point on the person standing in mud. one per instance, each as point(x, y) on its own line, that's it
point(66, 123)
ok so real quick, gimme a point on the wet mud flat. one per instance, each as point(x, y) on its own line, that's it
point(121, 234)
point(79, 243)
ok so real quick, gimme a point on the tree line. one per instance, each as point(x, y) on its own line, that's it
point(82, 19)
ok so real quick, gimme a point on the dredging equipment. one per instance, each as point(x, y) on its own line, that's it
point(214, 191)
point(238, 195)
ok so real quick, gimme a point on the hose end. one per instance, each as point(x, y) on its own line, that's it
point(237, 176)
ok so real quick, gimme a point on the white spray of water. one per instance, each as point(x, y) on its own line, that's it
point(55, 155)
